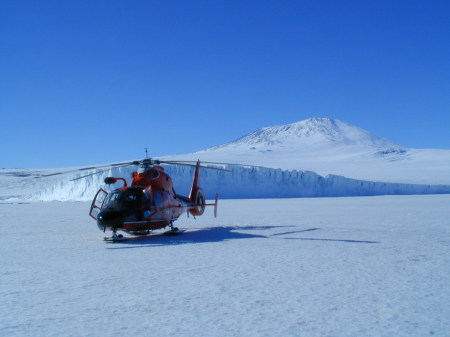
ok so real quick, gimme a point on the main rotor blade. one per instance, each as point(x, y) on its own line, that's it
point(117, 165)
point(192, 165)
point(210, 162)
point(149, 161)
point(92, 168)
point(98, 172)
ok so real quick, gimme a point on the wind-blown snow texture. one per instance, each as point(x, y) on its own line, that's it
point(368, 266)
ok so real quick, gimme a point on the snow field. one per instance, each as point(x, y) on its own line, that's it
point(367, 266)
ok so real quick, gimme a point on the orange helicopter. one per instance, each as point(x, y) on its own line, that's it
point(149, 203)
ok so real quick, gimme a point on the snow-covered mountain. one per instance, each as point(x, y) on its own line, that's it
point(310, 133)
point(328, 146)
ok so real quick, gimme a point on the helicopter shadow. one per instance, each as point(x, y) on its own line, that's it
point(221, 234)
point(295, 232)
point(333, 240)
point(203, 235)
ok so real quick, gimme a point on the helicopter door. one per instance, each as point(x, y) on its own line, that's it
point(97, 203)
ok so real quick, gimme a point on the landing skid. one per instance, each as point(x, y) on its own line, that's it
point(115, 238)
point(174, 231)
point(120, 238)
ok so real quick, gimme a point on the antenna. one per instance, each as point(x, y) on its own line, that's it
point(146, 153)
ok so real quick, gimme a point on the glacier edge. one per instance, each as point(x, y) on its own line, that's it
point(240, 183)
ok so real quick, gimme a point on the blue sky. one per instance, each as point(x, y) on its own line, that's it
point(87, 82)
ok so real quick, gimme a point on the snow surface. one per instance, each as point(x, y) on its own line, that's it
point(361, 266)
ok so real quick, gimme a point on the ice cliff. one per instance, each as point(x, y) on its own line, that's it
point(241, 182)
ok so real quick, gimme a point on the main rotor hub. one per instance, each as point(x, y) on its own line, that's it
point(146, 164)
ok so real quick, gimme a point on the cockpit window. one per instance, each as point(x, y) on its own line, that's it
point(130, 199)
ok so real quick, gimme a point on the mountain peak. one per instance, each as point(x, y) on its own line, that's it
point(312, 132)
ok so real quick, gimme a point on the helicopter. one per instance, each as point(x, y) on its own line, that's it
point(149, 202)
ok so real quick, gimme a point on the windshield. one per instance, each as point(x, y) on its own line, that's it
point(130, 199)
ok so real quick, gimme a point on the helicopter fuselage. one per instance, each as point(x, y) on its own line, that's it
point(149, 203)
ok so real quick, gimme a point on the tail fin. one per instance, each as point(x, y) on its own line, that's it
point(195, 185)
point(196, 195)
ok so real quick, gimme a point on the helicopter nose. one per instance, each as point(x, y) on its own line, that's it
point(109, 219)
